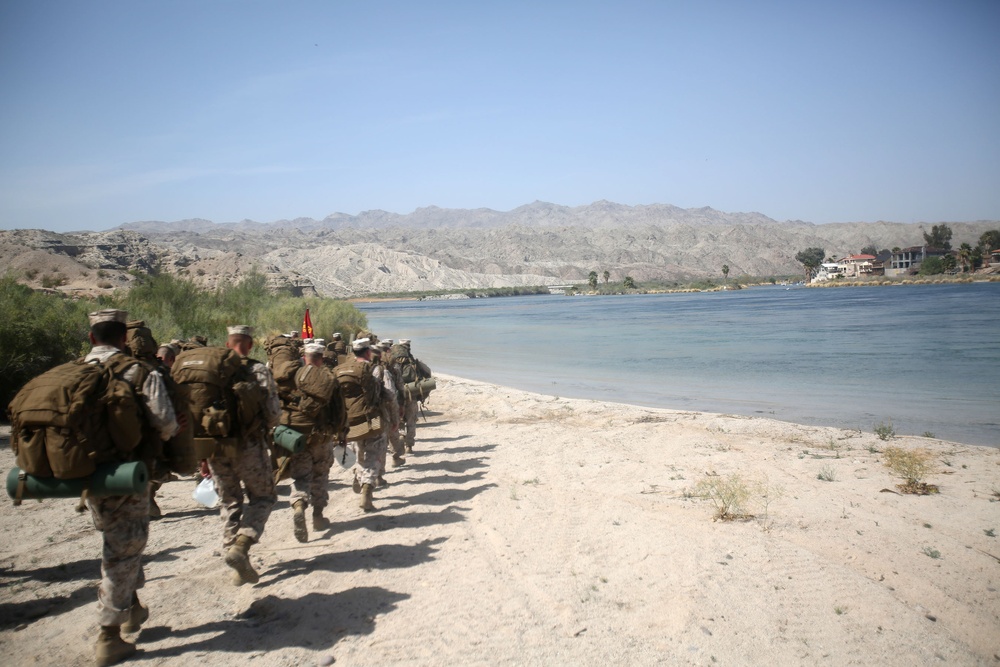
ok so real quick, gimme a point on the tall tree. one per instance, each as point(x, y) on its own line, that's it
point(725, 271)
point(628, 283)
point(592, 279)
point(965, 256)
point(990, 241)
point(940, 237)
point(607, 276)
point(810, 258)
point(869, 250)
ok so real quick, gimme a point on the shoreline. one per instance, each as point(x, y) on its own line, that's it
point(528, 529)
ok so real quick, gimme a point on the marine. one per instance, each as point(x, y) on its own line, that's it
point(315, 409)
point(242, 474)
point(124, 520)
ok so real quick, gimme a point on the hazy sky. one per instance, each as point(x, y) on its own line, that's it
point(114, 112)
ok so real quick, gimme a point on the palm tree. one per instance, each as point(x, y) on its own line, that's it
point(965, 256)
point(725, 272)
point(592, 279)
point(628, 283)
point(607, 276)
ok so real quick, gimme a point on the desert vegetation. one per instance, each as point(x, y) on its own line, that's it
point(41, 330)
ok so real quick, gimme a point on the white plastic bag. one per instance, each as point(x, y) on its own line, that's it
point(345, 456)
point(205, 493)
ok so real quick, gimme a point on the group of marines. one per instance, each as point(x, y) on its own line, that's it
point(245, 473)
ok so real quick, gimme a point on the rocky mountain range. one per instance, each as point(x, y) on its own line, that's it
point(435, 248)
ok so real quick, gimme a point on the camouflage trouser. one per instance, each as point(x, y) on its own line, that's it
point(396, 442)
point(124, 522)
point(310, 470)
point(251, 466)
point(368, 468)
point(410, 422)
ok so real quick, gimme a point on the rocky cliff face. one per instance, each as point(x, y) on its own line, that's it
point(434, 248)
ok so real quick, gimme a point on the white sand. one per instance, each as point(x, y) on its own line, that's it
point(546, 531)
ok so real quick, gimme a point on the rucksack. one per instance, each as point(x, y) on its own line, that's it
point(316, 401)
point(284, 361)
point(405, 362)
point(74, 416)
point(140, 342)
point(362, 394)
point(220, 392)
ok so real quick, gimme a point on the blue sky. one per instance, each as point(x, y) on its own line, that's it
point(114, 112)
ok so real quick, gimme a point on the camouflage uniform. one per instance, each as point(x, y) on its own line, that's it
point(251, 465)
point(124, 520)
point(310, 470)
point(371, 451)
point(410, 420)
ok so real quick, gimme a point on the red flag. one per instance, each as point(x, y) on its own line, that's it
point(307, 326)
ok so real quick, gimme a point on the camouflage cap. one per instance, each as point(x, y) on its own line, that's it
point(361, 344)
point(107, 315)
point(240, 330)
point(314, 348)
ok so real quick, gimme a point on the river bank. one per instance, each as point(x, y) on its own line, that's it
point(528, 529)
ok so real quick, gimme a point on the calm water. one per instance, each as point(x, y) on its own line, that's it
point(925, 356)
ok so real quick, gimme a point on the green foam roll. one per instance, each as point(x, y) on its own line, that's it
point(289, 439)
point(419, 389)
point(110, 479)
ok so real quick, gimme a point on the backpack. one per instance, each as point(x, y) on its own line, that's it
point(74, 416)
point(284, 361)
point(362, 394)
point(406, 364)
point(219, 390)
point(315, 389)
point(140, 342)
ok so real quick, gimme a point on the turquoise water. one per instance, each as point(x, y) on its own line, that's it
point(925, 356)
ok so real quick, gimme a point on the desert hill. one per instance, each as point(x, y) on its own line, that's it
point(436, 248)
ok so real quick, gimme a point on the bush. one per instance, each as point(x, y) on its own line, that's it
point(53, 280)
point(177, 308)
point(734, 497)
point(913, 465)
point(884, 431)
point(37, 331)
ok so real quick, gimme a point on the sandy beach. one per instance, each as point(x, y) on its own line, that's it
point(533, 530)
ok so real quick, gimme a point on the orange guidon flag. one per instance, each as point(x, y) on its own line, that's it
point(307, 326)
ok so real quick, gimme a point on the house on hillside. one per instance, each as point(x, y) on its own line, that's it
point(907, 261)
point(857, 266)
point(828, 271)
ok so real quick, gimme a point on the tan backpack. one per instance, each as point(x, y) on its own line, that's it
point(220, 392)
point(75, 416)
point(316, 402)
point(140, 342)
point(362, 394)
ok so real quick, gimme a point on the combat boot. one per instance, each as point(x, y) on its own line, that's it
point(137, 615)
point(398, 460)
point(238, 558)
point(301, 534)
point(366, 498)
point(409, 449)
point(111, 648)
point(320, 522)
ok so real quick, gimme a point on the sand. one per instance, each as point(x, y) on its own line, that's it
point(533, 530)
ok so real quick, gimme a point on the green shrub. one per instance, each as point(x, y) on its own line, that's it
point(884, 431)
point(37, 331)
point(53, 280)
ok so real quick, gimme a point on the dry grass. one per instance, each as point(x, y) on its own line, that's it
point(913, 465)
